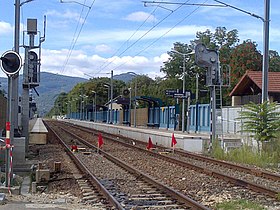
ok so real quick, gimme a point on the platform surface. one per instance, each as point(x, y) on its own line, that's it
point(39, 127)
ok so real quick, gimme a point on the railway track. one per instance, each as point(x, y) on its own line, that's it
point(141, 190)
point(265, 182)
point(259, 181)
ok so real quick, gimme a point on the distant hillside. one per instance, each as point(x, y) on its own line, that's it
point(52, 85)
point(126, 77)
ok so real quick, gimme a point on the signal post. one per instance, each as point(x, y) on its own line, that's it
point(11, 64)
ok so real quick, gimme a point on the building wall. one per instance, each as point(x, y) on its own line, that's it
point(141, 117)
point(3, 111)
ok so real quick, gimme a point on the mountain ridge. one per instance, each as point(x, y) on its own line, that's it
point(51, 85)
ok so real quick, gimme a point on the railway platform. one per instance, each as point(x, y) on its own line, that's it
point(192, 142)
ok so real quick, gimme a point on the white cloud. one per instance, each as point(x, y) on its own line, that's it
point(140, 16)
point(122, 35)
point(103, 48)
point(80, 64)
point(70, 15)
point(5, 28)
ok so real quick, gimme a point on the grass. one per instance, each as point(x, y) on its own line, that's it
point(268, 158)
point(239, 204)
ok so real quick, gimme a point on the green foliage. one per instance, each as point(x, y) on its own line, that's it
point(246, 155)
point(274, 61)
point(261, 121)
point(217, 151)
point(244, 57)
point(239, 204)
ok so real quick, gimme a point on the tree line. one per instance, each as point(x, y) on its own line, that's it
point(239, 56)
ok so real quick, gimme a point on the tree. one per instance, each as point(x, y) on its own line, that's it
point(244, 57)
point(274, 61)
point(262, 121)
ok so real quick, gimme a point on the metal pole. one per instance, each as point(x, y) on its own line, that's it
point(183, 105)
point(111, 117)
point(135, 103)
point(265, 51)
point(7, 154)
point(213, 116)
point(108, 112)
point(93, 113)
point(196, 104)
point(129, 114)
point(95, 108)
point(81, 109)
point(14, 79)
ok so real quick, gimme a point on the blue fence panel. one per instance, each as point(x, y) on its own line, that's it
point(156, 116)
point(150, 116)
point(203, 118)
point(167, 117)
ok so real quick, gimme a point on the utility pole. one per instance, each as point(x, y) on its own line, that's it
point(265, 51)
point(184, 92)
point(13, 82)
point(135, 104)
point(111, 105)
point(196, 104)
point(129, 112)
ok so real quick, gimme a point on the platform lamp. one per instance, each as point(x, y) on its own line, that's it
point(184, 84)
point(94, 105)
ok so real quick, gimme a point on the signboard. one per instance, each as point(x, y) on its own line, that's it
point(177, 94)
point(172, 92)
point(181, 95)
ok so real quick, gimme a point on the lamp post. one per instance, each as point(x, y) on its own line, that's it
point(111, 118)
point(129, 113)
point(82, 106)
point(108, 89)
point(196, 103)
point(135, 93)
point(94, 105)
point(184, 84)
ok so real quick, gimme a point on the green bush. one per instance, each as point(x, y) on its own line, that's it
point(246, 155)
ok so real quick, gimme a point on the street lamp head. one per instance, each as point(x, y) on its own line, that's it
point(183, 54)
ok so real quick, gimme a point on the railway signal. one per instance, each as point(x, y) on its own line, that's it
point(11, 63)
point(32, 66)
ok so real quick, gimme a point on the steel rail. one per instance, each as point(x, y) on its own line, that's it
point(84, 169)
point(175, 194)
point(235, 181)
point(252, 171)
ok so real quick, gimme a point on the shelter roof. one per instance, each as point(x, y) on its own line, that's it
point(253, 79)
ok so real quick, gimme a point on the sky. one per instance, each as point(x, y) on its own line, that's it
point(89, 38)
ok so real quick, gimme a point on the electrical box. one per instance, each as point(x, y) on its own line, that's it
point(31, 26)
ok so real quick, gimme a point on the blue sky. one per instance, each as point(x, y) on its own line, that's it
point(124, 35)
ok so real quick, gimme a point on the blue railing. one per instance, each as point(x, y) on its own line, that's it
point(162, 117)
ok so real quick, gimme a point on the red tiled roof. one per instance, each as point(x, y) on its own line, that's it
point(256, 77)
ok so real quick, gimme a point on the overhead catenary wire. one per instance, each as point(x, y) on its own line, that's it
point(148, 17)
point(141, 37)
point(152, 43)
point(73, 39)
point(81, 28)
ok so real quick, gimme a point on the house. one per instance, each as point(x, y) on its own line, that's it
point(249, 88)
